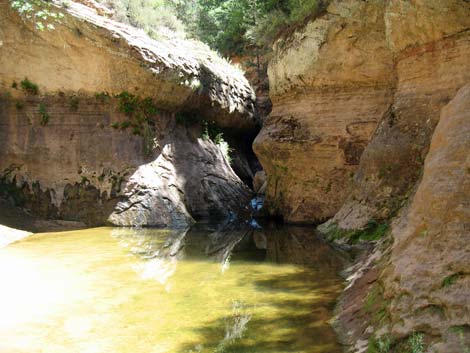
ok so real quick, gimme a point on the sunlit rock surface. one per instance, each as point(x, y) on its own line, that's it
point(69, 151)
point(428, 281)
point(331, 82)
point(357, 94)
point(10, 235)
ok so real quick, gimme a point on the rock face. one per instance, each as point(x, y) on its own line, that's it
point(358, 95)
point(10, 235)
point(428, 280)
point(378, 72)
point(431, 55)
point(113, 129)
point(190, 178)
point(330, 83)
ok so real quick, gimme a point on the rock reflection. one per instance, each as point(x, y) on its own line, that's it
point(160, 251)
point(275, 297)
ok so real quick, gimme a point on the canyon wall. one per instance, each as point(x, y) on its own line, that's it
point(428, 278)
point(330, 84)
point(99, 123)
point(358, 95)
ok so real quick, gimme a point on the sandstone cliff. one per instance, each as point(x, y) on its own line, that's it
point(98, 120)
point(428, 278)
point(376, 71)
point(357, 95)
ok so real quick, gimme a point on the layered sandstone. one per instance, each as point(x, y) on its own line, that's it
point(357, 94)
point(330, 83)
point(430, 41)
point(115, 127)
point(362, 71)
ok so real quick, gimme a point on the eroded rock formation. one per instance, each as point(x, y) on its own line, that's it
point(357, 95)
point(362, 71)
point(97, 119)
point(428, 279)
point(431, 63)
point(330, 84)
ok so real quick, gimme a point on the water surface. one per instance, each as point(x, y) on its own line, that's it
point(158, 291)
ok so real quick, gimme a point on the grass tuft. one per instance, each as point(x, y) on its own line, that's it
point(29, 87)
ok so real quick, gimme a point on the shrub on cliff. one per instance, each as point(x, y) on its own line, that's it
point(156, 17)
point(40, 12)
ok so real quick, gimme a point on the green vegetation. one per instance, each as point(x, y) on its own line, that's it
point(239, 27)
point(450, 280)
point(28, 87)
point(102, 96)
point(14, 85)
point(385, 344)
point(141, 113)
point(42, 13)
point(371, 232)
point(376, 306)
point(245, 28)
point(211, 131)
point(380, 345)
point(153, 16)
point(232, 27)
point(74, 102)
point(460, 332)
point(43, 114)
point(416, 343)
point(128, 103)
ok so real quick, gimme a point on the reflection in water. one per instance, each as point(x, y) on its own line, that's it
point(147, 290)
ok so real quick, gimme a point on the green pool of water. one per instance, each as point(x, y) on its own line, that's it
point(158, 291)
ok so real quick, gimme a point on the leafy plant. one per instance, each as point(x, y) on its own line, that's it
point(29, 87)
point(460, 332)
point(43, 114)
point(125, 124)
point(128, 103)
point(102, 96)
point(153, 16)
point(371, 232)
point(416, 343)
point(450, 280)
point(380, 345)
point(42, 13)
point(141, 113)
point(211, 131)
